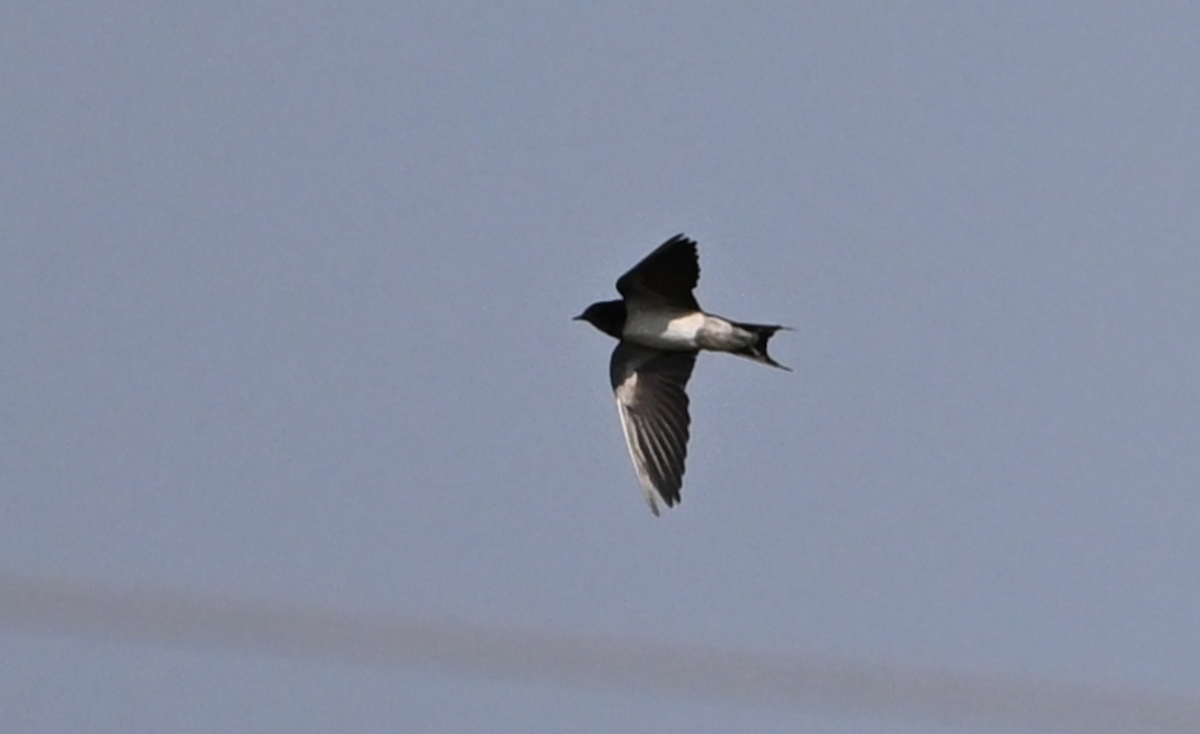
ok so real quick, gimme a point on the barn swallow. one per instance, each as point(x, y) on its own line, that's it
point(660, 329)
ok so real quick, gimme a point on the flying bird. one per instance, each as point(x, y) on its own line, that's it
point(660, 329)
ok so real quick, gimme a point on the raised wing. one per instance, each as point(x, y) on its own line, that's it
point(671, 272)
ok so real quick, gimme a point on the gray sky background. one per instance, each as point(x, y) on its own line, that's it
point(285, 299)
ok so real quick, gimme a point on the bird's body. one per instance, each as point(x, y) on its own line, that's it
point(661, 329)
point(669, 329)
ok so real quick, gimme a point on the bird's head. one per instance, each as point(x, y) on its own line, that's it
point(607, 316)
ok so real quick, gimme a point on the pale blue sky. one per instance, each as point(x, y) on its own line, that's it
point(285, 295)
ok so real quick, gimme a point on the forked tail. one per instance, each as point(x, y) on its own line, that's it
point(758, 350)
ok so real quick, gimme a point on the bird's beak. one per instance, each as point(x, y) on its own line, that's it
point(577, 318)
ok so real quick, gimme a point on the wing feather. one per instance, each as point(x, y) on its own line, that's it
point(650, 387)
point(669, 274)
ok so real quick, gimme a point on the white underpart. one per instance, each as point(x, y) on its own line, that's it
point(665, 331)
point(687, 331)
